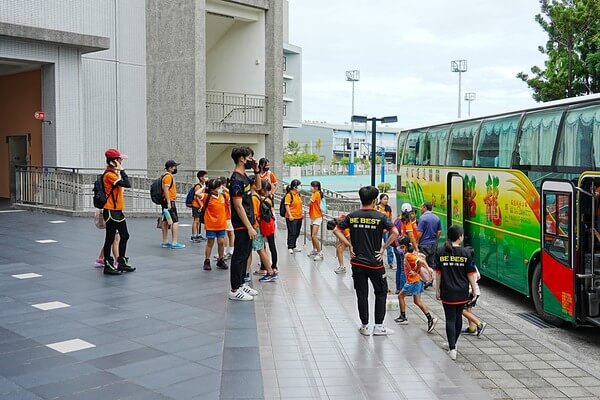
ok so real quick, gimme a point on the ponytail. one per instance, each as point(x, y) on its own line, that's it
point(454, 233)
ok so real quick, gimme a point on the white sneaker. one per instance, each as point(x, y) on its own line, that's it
point(365, 330)
point(340, 270)
point(318, 257)
point(312, 254)
point(382, 331)
point(452, 354)
point(249, 290)
point(291, 251)
point(297, 250)
point(240, 295)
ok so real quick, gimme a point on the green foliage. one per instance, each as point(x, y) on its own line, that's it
point(344, 161)
point(300, 159)
point(573, 50)
point(293, 147)
point(384, 187)
point(318, 145)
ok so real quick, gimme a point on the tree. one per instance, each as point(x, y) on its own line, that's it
point(293, 147)
point(300, 159)
point(573, 50)
point(318, 145)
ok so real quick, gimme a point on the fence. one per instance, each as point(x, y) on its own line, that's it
point(240, 108)
point(337, 169)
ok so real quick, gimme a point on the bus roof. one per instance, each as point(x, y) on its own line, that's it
point(592, 98)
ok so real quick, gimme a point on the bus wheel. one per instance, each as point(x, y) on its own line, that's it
point(536, 296)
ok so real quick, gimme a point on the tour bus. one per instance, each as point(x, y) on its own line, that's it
point(523, 185)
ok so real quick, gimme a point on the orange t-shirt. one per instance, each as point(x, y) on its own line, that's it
point(227, 205)
point(196, 203)
point(169, 180)
point(411, 226)
point(114, 194)
point(256, 207)
point(215, 218)
point(293, 199)
point(270, 175)
point(314, 208)
point(410, 264)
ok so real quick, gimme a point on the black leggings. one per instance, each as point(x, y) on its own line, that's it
point(115, 222)
point(453, 313)
point(293, 231)
point(273, 250)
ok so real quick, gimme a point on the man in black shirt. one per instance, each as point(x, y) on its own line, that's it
point(366, 232)
point(242, 219)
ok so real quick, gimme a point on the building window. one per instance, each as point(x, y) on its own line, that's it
point(284, 63)
point(284, 87)
point(284, 109)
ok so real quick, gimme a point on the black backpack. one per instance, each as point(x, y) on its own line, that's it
point(266, 214)
point(156, 191)
point(190, 196)
point(282, 209)
point(100, 196)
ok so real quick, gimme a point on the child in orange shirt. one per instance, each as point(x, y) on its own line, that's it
point(258, 244)
point(316, 219)
point(215, 222)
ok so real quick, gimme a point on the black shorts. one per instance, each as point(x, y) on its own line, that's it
point(172, 211)
point(195, 212)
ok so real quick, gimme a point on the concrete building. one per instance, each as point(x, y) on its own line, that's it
point(215, 79)
point(83, 63)
point(332, 141)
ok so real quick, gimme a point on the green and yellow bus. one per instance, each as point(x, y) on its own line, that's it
point(522, 184)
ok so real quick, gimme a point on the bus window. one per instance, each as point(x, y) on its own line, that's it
point(401, 142)
point(580, 139)
point(410, 153)
point(496, 142)
point(538, 136)
point(438, 145)
point(460, 152)
point(557, 226)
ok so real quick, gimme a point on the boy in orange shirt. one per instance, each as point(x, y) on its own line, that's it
point(169, 197)
point(215, 222)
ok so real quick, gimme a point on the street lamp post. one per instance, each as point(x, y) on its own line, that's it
point(469, 97)
point(385, 120)
point(352, 76)
point(459, 66)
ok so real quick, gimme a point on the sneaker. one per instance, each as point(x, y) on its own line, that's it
point(228, 255)
point(99, 262)
point(165, 245)
point(177, 245)
point(365, 330)
point(247, 277)
point(318, 257)
point(340, 270)
point(312, 254)
point(291, 251)
point(193, 239)
point(260, 272)
point(206, 265)
point(297, 250)
point(382, 331)
point(401, 320)
point(428, 284)
point(240, 295)
point(110, 269)
point(201, 238)
point(481, 328)
point(468, 331)
point(431, 324)
point(124, 266)
point(221, 264)
point(268, 278)
point(452, 354)
point(249, 290)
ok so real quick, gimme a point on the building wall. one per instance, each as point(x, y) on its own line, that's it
point(307, 137)
point(20, 98)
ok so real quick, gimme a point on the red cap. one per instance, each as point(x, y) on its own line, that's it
point(114, 153)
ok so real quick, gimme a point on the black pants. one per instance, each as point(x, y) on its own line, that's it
point(293, 231)
point(273, 250)
point(115, 222)
point(453, 313)
point(429, 250)
point(361, 277)
point(242, 247)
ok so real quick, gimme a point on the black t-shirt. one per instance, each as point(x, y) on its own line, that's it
point(239, 186)
point(366, 232)
point(455, 266)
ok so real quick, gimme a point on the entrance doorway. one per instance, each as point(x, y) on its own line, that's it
point(18, 155)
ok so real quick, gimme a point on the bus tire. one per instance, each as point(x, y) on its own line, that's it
point(536, 296)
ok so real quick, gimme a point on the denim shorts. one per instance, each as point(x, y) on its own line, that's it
point(413, 289)
point(215, 234)
point(259, 242)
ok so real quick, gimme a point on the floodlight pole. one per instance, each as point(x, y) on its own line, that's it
point(352, 76)
point(459, 66)
point(469, 97)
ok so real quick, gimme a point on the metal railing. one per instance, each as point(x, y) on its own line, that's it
point(338, 169)
point(238, 108)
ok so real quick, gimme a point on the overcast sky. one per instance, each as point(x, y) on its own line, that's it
point(403, 50)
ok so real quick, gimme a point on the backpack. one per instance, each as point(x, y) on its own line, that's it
point(100, 196)
point(203, 208)
point(426, 272)
point(323, 205)
point(282, 209)
point(156, 190)
point(189, 198)
point(265, 210)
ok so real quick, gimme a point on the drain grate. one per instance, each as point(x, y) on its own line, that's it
point(535, 319)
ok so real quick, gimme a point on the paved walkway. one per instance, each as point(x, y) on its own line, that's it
point(167, 331)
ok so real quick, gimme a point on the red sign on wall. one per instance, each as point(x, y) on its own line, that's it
point(39, 115)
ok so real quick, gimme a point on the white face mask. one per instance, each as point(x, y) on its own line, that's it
point(220, 191)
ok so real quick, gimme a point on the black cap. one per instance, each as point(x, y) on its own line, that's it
point(170, 164)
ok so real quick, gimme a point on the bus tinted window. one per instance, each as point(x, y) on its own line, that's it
point(401, 142)
point(438, 145)
point(410, 152)
point(460, 152)
point(580, 139)
point(538, 136)
point(496, 142)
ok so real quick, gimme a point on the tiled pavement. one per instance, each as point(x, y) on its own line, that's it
point(167, 331)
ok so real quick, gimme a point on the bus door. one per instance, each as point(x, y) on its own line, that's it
point(455, 211)
point(557, 284)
